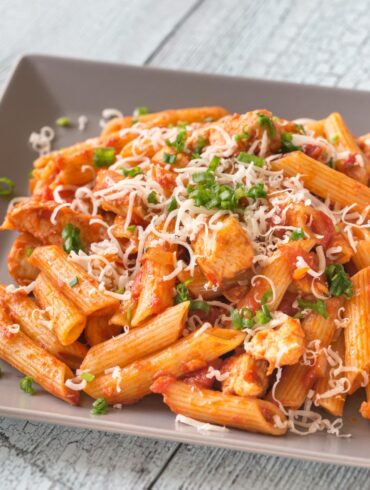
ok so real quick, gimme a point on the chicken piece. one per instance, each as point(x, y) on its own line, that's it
point(224, 254)
point(247, 376)
point(107, 178)
point(19, 267)
point(33, 217)
point(280, 346)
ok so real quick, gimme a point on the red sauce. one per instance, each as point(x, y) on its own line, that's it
point(198, 378)
point(286, 304)
point(161, 384)
point(313, 151)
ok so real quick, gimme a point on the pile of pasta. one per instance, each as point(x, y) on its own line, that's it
point(220, 260)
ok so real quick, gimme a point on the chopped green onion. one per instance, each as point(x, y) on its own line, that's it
point(179, 144)
point(286, 143)
point(300, 128)
point(131, 228)
point(265, 121)
point(30, 174)
point(140, 111)
point(263, 315)
point(73, 282)
point(182, 293)
point(199, 304)
point(169, 158)
point(26, 385)
point(339, 282)
point(266, 297)
point(71, 238)
point(29, 251)
point(201, 143)
point(119, 290)
point(104, 157)
point(297, 234)
point(244, 135)
point(203, 178)
point(244, 157)
point(87, 377)
point(129, 315)
point(318, 306)
point(335, 139)
point(214, 163)
point(6, 186)
point(173, 205)
point(63, 121)
point(243, 319)
point(99, 407)
point(132, 172)
point(257, 191)
point(152, 198)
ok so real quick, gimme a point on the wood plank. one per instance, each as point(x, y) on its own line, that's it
point(125, 31)
point(43, 456)
point(201, 468)
point(309, 42)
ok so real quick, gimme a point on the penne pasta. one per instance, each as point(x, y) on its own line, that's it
point(68, 322)
point(72, 281)
point(133, 382)
point(157, 334)
point(251, 414)
point(99, 329)
point(365, 406)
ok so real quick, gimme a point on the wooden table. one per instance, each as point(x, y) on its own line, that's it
point(311, 41)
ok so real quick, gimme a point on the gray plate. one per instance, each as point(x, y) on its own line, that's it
point(43, 88)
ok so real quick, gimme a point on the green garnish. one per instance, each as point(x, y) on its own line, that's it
point(265, 121)
point(29, 251)
point(339, 282)
point(6, 186)
point(182, 292)
point(73, 282)
point(152, 198)
point(335, 139)
point(169, 158)
point(104, 157)
point(267, 296)
point(63, 121)
point(129, 315)
point(172, 206)
point(297, 234)
point(132, 172)
point(1, 371)
point(71, 238)
point(244, 157)
point(120, 290)
point(214, 163)
point(257, 191)
point(203, 178)
point(263, 315)
point(243, 319)
point(87, 377)
point(300, 128)
point(179, 144)
point(286, 143)
point(131, 228)
point(140, 111)
point(201, 143)
point(199, 304)
point(30, 174)
point(318, 306)
point(99, 407)
point(26, 385)
point(244, 135)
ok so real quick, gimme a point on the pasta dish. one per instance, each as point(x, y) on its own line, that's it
point(219, 260)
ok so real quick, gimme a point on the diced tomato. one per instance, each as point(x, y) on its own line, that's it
point(313, 151)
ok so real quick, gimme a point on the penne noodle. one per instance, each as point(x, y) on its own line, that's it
point(33, 323)
point(187, 354)
point(157, 334)
point(68, 322)
point(99, 329)
point(324, 181)
point(361, 258)
point(73, 281)
point(357, 332)
point(365, 406)
point(29, 358)
point(250, 414)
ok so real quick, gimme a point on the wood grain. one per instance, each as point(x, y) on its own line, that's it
point(309, 41)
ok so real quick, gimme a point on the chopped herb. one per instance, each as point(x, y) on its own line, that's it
point(243, 319)
point(179, 144)
point(263, 315)
point(335, 139)
point(257, 191)
point(182, 293)
point(203, 178)
point(73, 282)
point(30, 174)
point(337, 228)
point(286, 143)
point(201, 143)
point(104, 157)
point(152, 198)
point(29, 251)
point(169, 158)
point(119, 290)
point(131, 228)
point(266, 297)
point(63, 121)
point(87, 377)
point(319, 306)
point(244, 157)
point(172, 206)
point(297, 234)
point(339, 282)
point(300, 128)
point(6, 186)
point(208, 119)
point(265, 121)
point(140, 111)
point(132, 172)
point(26, 385)
point(199, 304)
point(330, 163)
point(129, 315)
point(244, 135)
point(71, 238)
point(99, 407)
point(214, 163)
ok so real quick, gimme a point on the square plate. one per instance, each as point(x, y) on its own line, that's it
point(43, 88)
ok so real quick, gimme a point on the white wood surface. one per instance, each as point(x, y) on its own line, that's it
point(312, 41)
